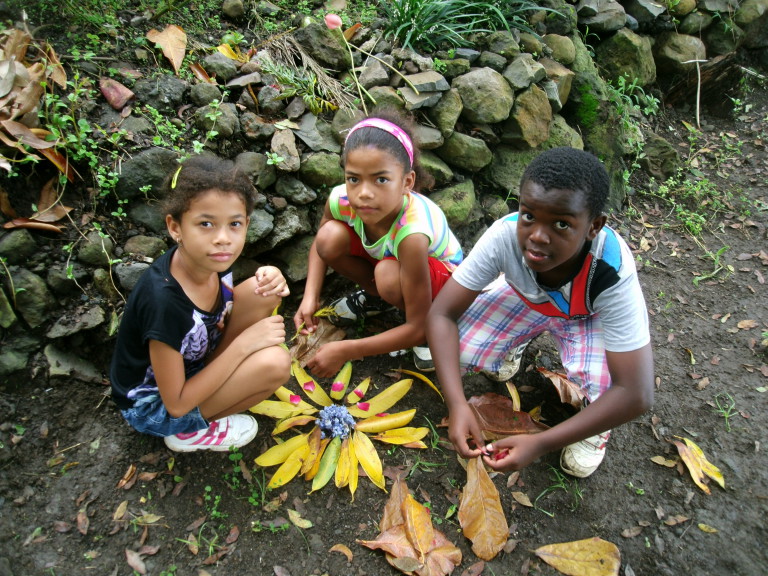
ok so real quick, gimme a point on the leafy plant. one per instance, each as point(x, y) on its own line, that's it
point(561, 482)
point(301, 83)
point(726, 408)
point(432, 24)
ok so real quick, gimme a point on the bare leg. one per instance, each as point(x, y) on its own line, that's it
point(388, 282)
point(332, 244)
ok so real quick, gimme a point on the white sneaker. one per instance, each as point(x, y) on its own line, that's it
point(509, 366)
point(231, 432)
point(582, 458)
point(422, 359)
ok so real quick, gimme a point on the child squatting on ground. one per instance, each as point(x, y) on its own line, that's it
point(193, 350)
point(392, 241)
point(552, 266)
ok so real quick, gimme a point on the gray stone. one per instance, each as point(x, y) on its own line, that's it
point(611, 17)
point(295, 109)
point(233, 9)
point(429, 81)
point(528, 123)
point(683, 8)
point(266, 8)
point(675, 52)
point(148, 215)
point(531, 44)
point(11, 361)
point(562, 134)
point(438, 169)
point(223, 119)
point(7, 316)
point(288, 223)
point(64, 280)
point(467, 54)
point(660, 158)
point(63, 364)
point(491, 60)
point(503, 43)
point(524, 71)
point(256, 166)
point(321, 169)
point(563, 50)
point(294, 256)
point(96, 249)
point(343, 120)
point(456, 67)
point(506, 169)
point(261, 224)
point(77, 321)
point(164, 93)
point(457, 202)
point(284, 145)
point(644, 11)
point(105, 284)
point(325, 45)
point(256, 128)
point(553, 95)
point(149, 246)
point(128, 273)
point(270, 101)
point(486, 96)
point(295, 190)
point(427, 138)
point(446, 112)
point(387, 96)
point(220, 67)
point(716, 6)
point(465, 152)
point(204, 93)
point(562, 19)
point(33, 299)
point(414, 101)
point(723, 36)
point(495, 206)
point(627, 55)
point(752, 17)
point(147, 168)
point(318, 134)
point(17, 246)
point(374, 74)
point(695, 23)
point(587, 8)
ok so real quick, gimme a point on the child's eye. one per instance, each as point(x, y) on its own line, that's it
point(236, 224)
point(352, 179)
point(382, 180)
point(527, 217)
point(562, 225)
point(206, 224)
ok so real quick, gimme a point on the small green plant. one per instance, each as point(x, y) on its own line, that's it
point(635, 489)
point(300, 83)
point(257, 526)
point(273, 158)
point(422, 465)
point(212, 503)
point(718, 265)
point(560, 482)
point(439, 66)
point(233, 478)
point(726, 408)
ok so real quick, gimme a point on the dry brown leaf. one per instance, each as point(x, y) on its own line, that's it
point(661, 461)
point(698, 465)
point(747, 324)
point(116, 94)
point(569, 392)
point(418, 526)
point(497, 418)
point(481, 515)
point(342, 549)
point(475, 570)
point(173, 42)
point(590, 557)
point(522, 498)
point(307, 344)
point(632, 532)
point(134, 561)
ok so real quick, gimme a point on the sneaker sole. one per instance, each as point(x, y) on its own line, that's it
point(212, 448)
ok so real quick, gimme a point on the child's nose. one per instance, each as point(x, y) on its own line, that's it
point(539, 235)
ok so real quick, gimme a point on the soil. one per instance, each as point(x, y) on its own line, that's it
point(65, 452)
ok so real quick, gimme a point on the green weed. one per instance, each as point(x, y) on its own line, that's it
point(726, 408)
point(561, 482)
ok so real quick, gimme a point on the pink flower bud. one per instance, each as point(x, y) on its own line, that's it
point(337, 386)
point(365, 406)
point(309, 386)
point(332, 21)
point(295, 399)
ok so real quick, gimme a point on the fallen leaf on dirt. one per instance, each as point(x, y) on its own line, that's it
point(192, 545)
point(343, 550)
point(411, 543)
point(569, 392)
point(196, 524)
point(200, 73)
point(147, 519)
point(233, 535)
point(677, 519)
point(513, 478)
point(481, 515)
point(127, 477)
point(498, 419)
point(707, 528)
point(116, 94)
point(82, 521)
point(522, 498)
point(475, 570)
point(661, 461)
point(280, 571)
point(120, 511)
point(703, 383)
point(134, 561)
point(632, 532)
point(510, 546)
point(32, 225)
point(747, 324)
point(307, 344)
point(213, 558)
point(297, 520)
point(173, 41)
point(589, 557)
point(698, 465)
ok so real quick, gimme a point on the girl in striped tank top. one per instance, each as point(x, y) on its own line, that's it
point(393, 242)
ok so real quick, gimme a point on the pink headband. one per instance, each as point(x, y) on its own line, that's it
point(389, 127)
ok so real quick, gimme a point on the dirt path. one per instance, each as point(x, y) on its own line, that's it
point(65, 449)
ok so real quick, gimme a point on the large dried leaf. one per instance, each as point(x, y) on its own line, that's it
point(498, 419)
point(590, 557)
point(55, 69)
point(393, 509)
point(33, 225)
point(173, 42)
point(698, 465)
point(569, 392)
point(28, 98)
point(480, 512)
point(49, 207)
point(307, 344)
point(418, 526)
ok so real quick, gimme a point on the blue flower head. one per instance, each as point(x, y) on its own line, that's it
point(335, 420)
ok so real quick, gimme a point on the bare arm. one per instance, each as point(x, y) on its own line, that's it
point(443, 334)
point(304, 319)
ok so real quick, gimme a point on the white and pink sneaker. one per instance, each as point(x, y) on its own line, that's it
point(231, 432)
point(582, 458)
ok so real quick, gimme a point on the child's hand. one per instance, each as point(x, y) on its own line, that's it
point(328, 360)
point(304, 319)
point(265, 333)
point(513, 452)
point(270, 282)
point(462, 429)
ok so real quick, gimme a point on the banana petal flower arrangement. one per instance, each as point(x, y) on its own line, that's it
point(339, 440)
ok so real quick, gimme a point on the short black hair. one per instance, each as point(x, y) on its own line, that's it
point(568, 168)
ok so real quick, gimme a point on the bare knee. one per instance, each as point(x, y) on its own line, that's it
point(388, 282)
point(332, 240)
point(246, 298)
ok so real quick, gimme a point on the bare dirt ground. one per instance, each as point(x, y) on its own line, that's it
point(64, 448)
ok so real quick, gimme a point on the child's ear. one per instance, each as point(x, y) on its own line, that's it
point(172, 226)
point(410, 180)
point(596, 225)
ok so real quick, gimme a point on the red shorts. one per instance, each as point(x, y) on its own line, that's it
point(438, 272)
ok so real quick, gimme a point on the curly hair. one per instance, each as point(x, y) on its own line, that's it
point(368, 136)
point(202, 173)
point(571, 169)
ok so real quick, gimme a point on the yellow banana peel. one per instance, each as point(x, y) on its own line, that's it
point(382, 401)
point(280, 452)
point(369, 459)
point(376, 424)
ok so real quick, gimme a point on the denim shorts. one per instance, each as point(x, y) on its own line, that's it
point(149, 416)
